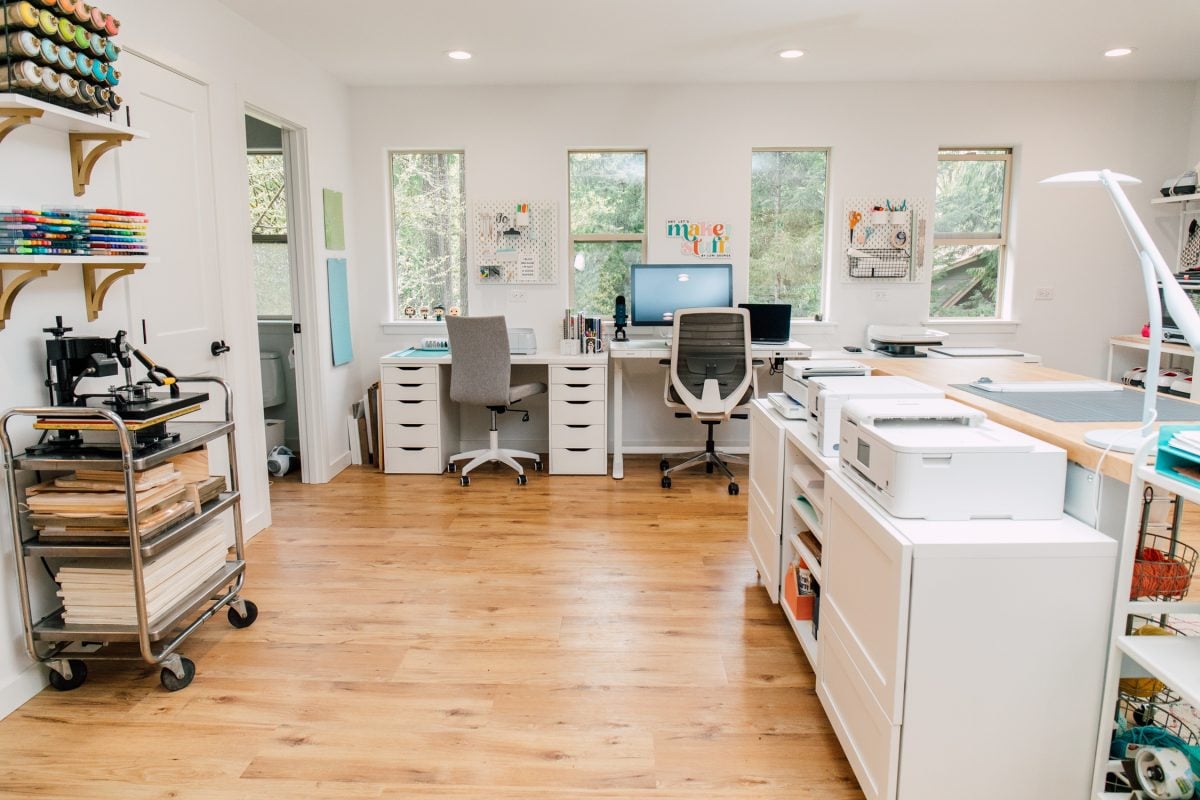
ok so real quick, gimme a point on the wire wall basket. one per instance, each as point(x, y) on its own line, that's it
point(879, 262)
point(1164, 710)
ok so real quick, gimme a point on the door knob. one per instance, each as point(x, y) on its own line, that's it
point(219, 347)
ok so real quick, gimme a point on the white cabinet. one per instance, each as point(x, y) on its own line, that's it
point(578, 420)
point(420, 424)
point(765, 522)
point(962, 659)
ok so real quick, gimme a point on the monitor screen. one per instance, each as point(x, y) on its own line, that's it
point(656, 291)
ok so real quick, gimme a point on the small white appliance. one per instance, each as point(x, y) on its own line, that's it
point(797, 373)
point(942, 460)
point(522, 342)
point(826, 396)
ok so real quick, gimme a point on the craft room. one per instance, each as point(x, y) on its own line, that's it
point(689, 401)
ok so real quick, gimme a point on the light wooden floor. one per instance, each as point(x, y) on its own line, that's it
point(574, 638)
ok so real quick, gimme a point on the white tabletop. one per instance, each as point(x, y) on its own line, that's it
point(418, 358)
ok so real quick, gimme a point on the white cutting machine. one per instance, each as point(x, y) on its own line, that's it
point(826, 396)
point(793, 403)
point(939, 459)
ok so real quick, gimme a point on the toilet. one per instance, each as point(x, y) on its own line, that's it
point(274, 394)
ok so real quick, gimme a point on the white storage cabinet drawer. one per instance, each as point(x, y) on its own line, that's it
point(410, 411)
point(577, 391)
point(414, 459)
point(410, 435)
point(577, 412)
point(577, 375)
point(579, 461)
point(409, 375)
point(577, 436)
point(410, 391)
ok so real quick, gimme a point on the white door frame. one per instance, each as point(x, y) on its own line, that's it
point(310, 400)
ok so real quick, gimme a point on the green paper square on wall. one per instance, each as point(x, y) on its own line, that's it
point(335, 229)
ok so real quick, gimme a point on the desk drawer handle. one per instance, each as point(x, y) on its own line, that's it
point(414, 449)
point(578, 385)
point(411, 425)
point(579, 402)
point(410, 402)
point(579, 449)
point(578, 369)
point(410, 369)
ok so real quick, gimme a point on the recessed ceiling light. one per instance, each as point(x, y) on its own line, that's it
point(459, 55)
point(1117, 52)
point(790, 53)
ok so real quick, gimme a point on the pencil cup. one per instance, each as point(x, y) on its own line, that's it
point(568, 347)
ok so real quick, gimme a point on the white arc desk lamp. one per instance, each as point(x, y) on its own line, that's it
point(1154, 270)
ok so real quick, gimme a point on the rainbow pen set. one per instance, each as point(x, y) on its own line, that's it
point(73, 231)
point(61, 51)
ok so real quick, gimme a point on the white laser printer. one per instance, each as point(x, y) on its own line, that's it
point(792, 402)
point(826, 396)
point(942, 460)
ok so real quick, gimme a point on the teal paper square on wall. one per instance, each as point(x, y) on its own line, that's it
point(339, 312)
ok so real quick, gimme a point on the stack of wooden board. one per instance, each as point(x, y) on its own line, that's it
point(101, 592)
point(90, 504)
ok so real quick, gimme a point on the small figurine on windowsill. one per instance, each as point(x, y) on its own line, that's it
point(454, 312)
point(410, 312)
point(424, 312)
point(439, 312)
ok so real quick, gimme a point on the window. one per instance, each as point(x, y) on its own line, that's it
point(268, 236)
point(429, 241)
point(970, 232)
point(787, 228)
point(607, 191)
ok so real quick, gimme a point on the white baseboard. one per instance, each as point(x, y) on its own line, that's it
point(686, 447)
point(255, 525)
point(339, 464)
point(22, 688)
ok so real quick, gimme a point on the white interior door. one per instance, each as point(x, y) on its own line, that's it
point(170, 176)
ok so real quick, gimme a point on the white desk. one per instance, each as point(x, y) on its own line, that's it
point(659, 349)
point(420, 422)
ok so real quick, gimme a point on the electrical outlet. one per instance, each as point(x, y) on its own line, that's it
point(1044, 293)
point(517, 296)
point(880, 295)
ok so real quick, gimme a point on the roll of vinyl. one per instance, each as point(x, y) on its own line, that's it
point(1164, 773)
point(22, 44)
point(48, 23)
point(113, 78)
point(82, 38)
point(114, 101)
point(24, 75)
point(68, 88)
point(67, 7)
point(83, 13)
point(22, 15)
point(95, 45)
point(112, 25)
point(49, 3)
point(100, 71)
point(96, 22)
point(66, 60)
point(87, 94)
point(49, 83)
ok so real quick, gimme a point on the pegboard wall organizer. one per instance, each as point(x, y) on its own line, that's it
point(883, 239)
point(514, 242)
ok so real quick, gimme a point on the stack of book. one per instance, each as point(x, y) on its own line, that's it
point(27, 232)
point(101, 592)
point(89, 505)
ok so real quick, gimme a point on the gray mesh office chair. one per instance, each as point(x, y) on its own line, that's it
point(480, 375)
point(711, 375)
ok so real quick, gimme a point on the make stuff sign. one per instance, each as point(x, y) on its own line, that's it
point(700, 239)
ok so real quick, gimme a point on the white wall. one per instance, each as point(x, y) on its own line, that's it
point(884, 140)
point(1194, 151)
point(240, 65)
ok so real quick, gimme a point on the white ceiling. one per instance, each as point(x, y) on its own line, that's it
point(403, 42)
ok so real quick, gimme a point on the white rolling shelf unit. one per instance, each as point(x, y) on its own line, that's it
point(1173, 660)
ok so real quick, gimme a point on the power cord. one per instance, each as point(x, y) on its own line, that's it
point(1097, 477)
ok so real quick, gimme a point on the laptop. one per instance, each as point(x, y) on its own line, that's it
point(770, 323)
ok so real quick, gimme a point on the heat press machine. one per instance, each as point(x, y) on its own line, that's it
point(826, 396)
point(792, 402)
point(942, 460)
point(70, 359)
point(902, 341)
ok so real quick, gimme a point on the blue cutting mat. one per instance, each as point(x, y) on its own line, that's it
point(1122, 406)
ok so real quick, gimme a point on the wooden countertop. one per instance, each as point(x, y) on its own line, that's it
point(942, 372)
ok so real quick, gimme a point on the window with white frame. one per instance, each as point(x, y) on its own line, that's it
point(607, 194)
point(268, 235)
point(788, 190)
point(970, 232)
point(429, 241)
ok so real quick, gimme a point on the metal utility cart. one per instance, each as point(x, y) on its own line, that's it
point(61, 646)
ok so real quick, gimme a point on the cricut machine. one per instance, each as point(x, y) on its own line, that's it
point(792, 402)
point(826, 396)
point(902, 341)
point(941, 460)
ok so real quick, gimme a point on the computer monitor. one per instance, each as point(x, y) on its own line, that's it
point(656, 291)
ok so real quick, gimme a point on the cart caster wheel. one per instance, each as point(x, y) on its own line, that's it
point(78, 676)
point(522, 480)
point(663, 465)
point(537, 466)
point(666, 482)
point(451, 467)
point(465, 480)
point(734, 488)
point(172, 683)
point(238, 621)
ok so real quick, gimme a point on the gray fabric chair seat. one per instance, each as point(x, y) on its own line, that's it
point(523, 390)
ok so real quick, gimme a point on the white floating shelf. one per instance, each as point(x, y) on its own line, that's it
point(1175, 660)
point(1185, 490)
point(803, 630)
point(809, 516)
point(95, 260)
point(810, 558)
point(64, 119)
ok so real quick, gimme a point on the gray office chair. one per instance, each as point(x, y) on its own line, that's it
point(480, 374)
point(711, 375)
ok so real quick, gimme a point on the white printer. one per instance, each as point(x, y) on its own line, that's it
point(792, 402)
point(941, 460)
point(826, 396)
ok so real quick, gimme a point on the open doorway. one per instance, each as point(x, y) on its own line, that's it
point(273, 238)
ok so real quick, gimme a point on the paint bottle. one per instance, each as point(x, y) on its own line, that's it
point(86, 94)
point(48, 24)
point(83, 37)
point(114, 102)
point(111, 51)
point(66, 31)
point(22, 15)
point(83, 13)
point(66, 60)
point(22, 44)
point(21, 75)
point(99, 71)
point(48, 52)
point(67, 7)
point(113, 78)
point(112, 25)
point(49, 83)
point(68, 88)
point(96, 21)
point(83, 66)
point(95, 46)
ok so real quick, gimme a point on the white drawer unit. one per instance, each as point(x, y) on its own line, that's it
point(578, 420)
point(962, 658)
point(420, 424)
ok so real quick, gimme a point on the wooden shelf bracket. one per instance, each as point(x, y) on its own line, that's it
point(13, 118)
point(11, 288)
point(94, 292)
point(82, 163)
